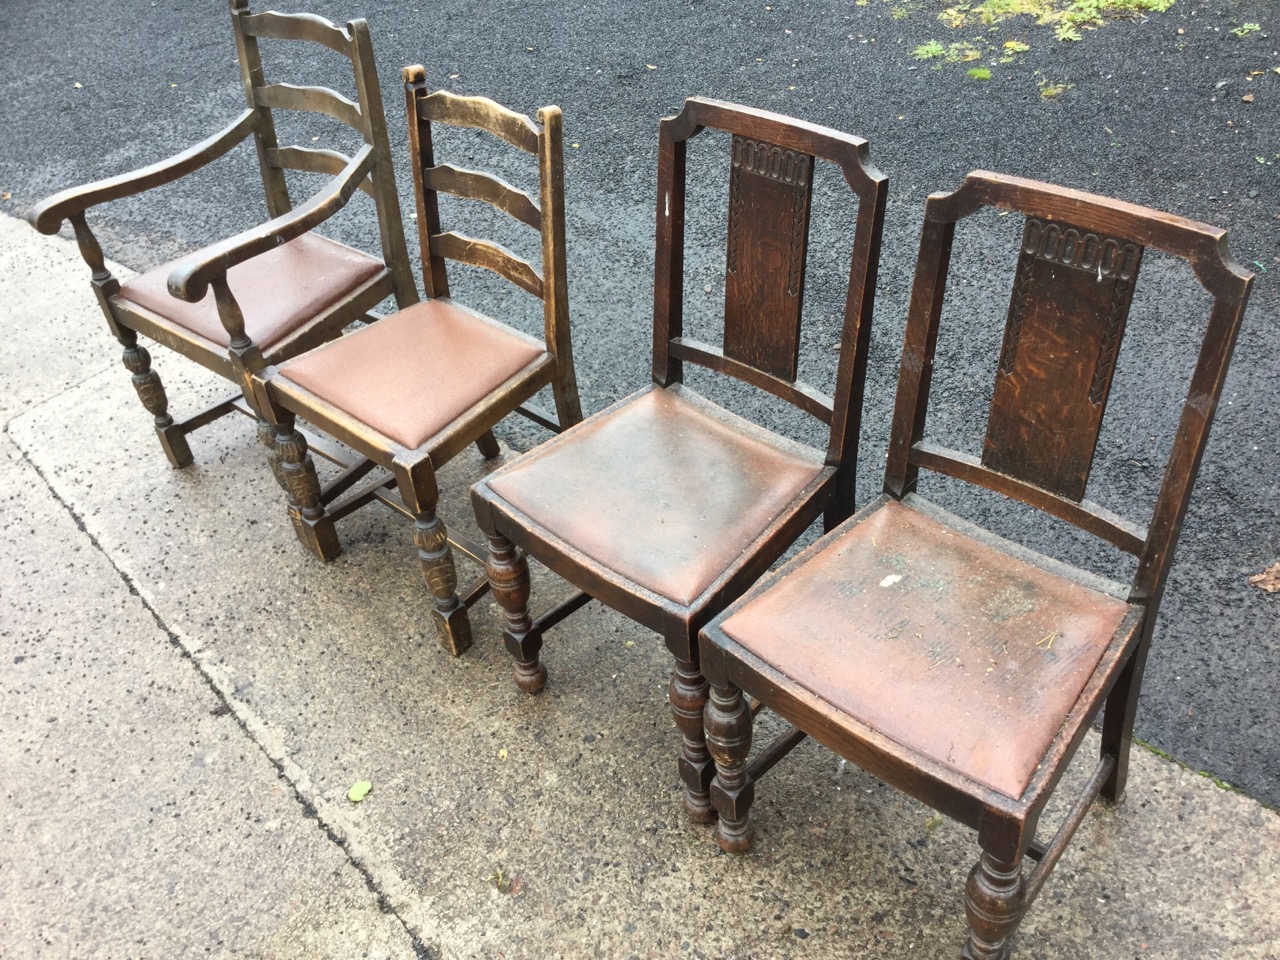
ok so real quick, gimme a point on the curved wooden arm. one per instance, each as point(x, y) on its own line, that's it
point(47, 216)
point(191, 276)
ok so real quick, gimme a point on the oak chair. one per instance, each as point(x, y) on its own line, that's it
point(954, 665)
point(665, 506)
point(413, 390)
point(279, 288)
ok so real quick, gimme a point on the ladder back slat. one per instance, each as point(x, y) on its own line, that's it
point(490, 256)
point(298, 26)
point(481, 113)
point(312, 160)
point(474, 185)
point(286, 96)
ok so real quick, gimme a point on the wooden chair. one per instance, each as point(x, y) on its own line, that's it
point(275, 290)
point(958, 667)
point(413, 390)
point(666, 506)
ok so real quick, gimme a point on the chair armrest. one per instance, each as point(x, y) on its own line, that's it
point(47, 215)
point(191, 276)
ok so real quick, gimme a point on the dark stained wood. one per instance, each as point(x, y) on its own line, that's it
point(770, 189)
point(191, 278)
point(1067, 314)
point(801, 395)
point(620, 506)
point(344, 395)
point(804, 638)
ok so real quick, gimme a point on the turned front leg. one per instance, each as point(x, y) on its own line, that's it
point(311, 523)
point(453, 627)
point(687, 694)
point(728, 729)
point(508, 574)
point(151, 392)
point(994, 900)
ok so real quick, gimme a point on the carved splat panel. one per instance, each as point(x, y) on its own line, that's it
point(1071, 297)
point(769, 193)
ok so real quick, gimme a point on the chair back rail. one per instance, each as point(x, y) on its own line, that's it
point(1078, 264)
point(770, 193)
point(364, 115)
point(543, 139)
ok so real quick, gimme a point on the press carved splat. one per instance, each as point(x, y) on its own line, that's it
point(1067, 313)
point(769, 193)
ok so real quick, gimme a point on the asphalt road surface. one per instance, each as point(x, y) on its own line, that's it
point(1177, 110)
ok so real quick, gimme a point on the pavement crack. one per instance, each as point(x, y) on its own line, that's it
point(227, 704)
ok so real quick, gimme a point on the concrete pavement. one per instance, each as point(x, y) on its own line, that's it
point(188, 698)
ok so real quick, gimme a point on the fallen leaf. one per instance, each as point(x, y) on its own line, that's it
point(1268, 579)
point(933, 823)
point(502, 754)
point(5, 196)
point(359, 790)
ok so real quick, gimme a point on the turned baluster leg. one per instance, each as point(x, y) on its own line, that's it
point(508, 574)
point(311, 523)
point(728, 727)
point(267, 437)
point(151, 392)
point(687, 694)
point(994, 900)
point(453, 627)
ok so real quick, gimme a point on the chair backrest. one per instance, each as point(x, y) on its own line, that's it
point(770, 189)
point(545, 140)
point(364, 115)
point(1077, 268)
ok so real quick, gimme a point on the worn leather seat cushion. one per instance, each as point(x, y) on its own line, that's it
point(278, 291)
point(664, 490)
point(952, 648)
point(411, 375)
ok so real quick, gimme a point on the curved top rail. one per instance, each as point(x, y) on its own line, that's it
point(1203, 246)
point(299, 26)
point(851, 153)
point(481, 113)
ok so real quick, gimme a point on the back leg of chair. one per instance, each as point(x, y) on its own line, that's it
point(297, 474)
point(565, 390)
point(488, 445)
point(687, 694)
point(508, 573)
point(1117, 722)
point(728, 727)
point(994, 901)
point(151, 392)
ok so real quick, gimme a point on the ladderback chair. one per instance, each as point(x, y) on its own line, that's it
point(951, 663)
point(411, 391)
point(666, 506)
point(279, 288)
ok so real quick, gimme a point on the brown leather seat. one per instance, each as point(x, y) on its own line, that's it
point(279, 291)
point(412, 374)
point(987, 654)
point(666, 489)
